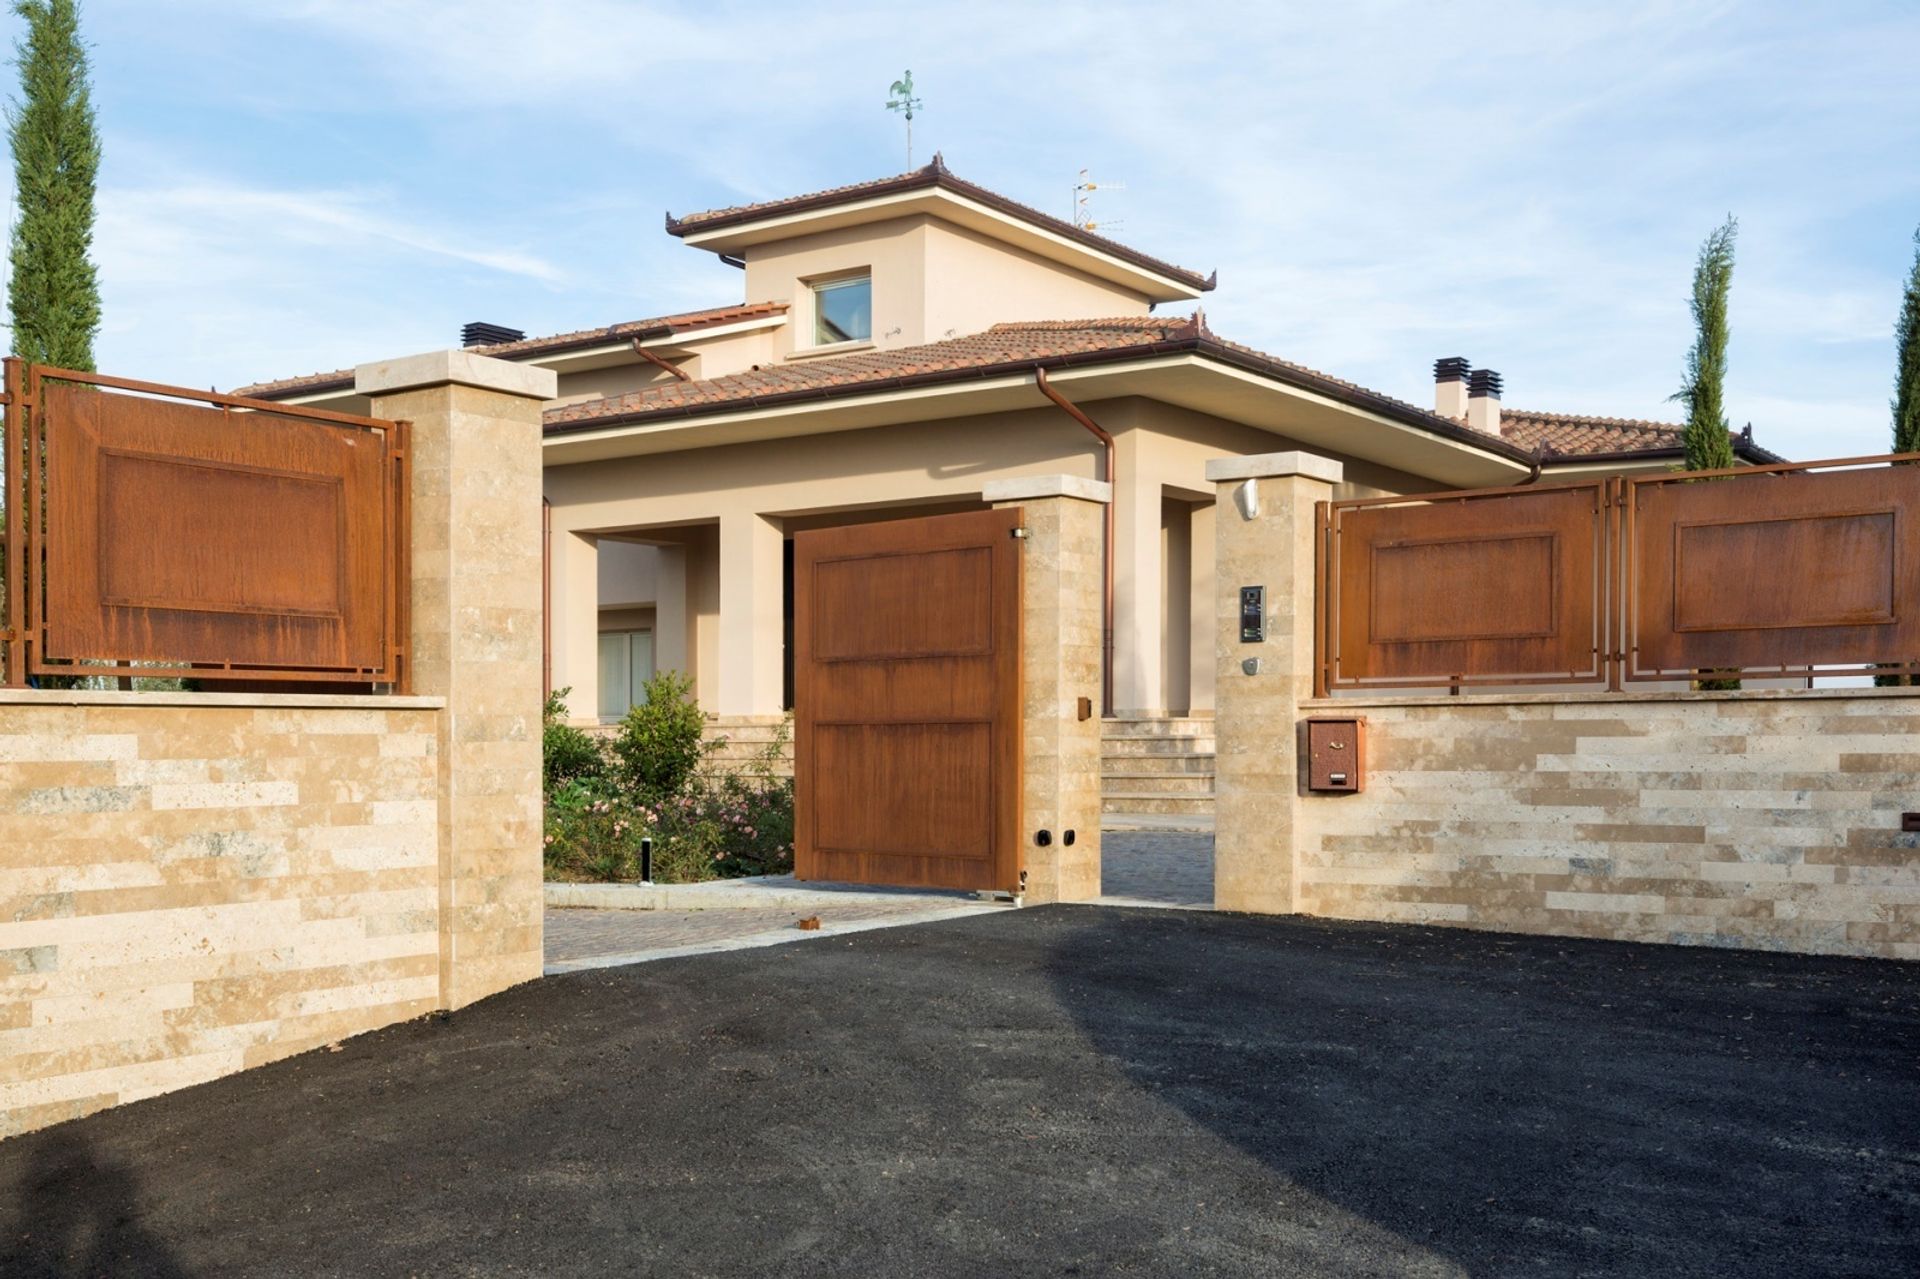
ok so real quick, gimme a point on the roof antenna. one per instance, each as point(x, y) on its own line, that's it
point(1083, 204)
point(900, 98)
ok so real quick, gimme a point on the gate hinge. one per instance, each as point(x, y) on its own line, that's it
point(1018, 532)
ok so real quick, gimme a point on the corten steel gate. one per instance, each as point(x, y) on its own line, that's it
point(217, 538)
point(1797, 570)
point(907, 702)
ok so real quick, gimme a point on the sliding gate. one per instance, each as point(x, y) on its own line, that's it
point(907, 702)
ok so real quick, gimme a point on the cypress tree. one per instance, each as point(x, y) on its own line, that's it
point(1906, 381)
point(54, 295)
point(1708, 439)
point(1906, 389)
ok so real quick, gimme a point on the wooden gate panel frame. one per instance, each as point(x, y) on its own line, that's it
point(331, 607)
point(1824, 559)
point(907, 742)
point(1441, 621)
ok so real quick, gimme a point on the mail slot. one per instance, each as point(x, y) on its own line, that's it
point(1337, 755)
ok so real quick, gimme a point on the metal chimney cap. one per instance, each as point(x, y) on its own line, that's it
point(1451, 368)
point(481, 333)
point(1483, 382)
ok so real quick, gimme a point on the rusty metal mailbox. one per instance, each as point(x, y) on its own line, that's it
point(1337, 755)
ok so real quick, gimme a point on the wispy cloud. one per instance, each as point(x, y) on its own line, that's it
point(1379, 183)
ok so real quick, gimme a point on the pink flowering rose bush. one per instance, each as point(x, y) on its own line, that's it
point(657, 780)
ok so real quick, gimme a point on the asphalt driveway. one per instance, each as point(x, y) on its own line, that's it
point(1055, 1091)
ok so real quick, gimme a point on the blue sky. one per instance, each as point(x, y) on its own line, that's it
point(293, 186)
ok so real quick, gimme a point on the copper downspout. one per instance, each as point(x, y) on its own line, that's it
point(651, 358)
point(1106, 603)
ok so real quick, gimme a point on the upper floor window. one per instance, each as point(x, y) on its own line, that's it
point(843, 310)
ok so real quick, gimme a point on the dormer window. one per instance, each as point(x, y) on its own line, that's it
point(843, 310)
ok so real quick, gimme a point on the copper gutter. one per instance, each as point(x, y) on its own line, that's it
point(651, 358)
point(1106, 551)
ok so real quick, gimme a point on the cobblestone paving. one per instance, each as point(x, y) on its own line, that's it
point(590, 934)
point(1167, 868)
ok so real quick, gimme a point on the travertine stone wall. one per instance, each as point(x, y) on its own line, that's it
point(1263, 537)
point(477, 620)
point(1767, 820)
point(193, 884)
point(1060, 636)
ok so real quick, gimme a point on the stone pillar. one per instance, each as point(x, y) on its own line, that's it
point(670, 611)
point(1060, 661)
point(752, 640)
point(1137, 612)
point(1200, 608)
point(1257, 785)
point(574, 616)
point(477, 615)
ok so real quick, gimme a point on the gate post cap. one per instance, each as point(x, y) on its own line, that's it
point(1023, 488)
point(458, 368)
point(1267, 466)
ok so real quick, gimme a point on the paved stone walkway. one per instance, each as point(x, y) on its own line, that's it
point(1138, 868)
point(589, 938)
point(1156, 868)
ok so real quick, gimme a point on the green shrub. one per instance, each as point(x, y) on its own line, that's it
point(567, 753)
point(705, 824)
point(659, 744)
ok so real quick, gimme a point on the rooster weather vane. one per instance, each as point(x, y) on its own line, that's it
point(901, 99)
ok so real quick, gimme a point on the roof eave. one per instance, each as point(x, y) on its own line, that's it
point(1299, 379)
point(722, 232)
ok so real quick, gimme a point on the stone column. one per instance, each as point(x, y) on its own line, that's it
point(1060, 661)
point(574, 616)
point(752, 642)
point(1200, 613)
point(670, 611)
point(1138, 617)
point(1264, 534)
point(477, 616)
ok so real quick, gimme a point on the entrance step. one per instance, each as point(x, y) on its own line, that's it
point(1157, 771)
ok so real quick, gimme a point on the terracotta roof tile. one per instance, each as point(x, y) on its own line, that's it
point(1002, 344)
point(1576, 435)
point(1005, 348)
point(663, 325)
point(1572, 434)
point(933, 175)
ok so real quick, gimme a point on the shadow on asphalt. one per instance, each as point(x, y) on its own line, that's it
point(1061, 1090)
point(81, 1214)
point(1528, 1105)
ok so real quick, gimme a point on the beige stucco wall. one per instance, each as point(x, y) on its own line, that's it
point(892, 251)
point(974, 282)
point(689, 496)
point(1758, 820)
point(193, 885)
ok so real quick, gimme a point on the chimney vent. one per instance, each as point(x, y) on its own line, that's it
point(1483, 401)
point(480, 333)
point(1450, 387)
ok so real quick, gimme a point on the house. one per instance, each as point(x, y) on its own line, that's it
point(900, 348)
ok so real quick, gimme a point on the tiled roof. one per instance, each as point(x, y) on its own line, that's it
point(1575, 435)
point(1003, 349)
point(933, 175)
point(658, 326)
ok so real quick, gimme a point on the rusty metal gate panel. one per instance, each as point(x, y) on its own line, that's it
point(907, 702)
point(262, 543)
point(1773, 570)
point(1495, 586)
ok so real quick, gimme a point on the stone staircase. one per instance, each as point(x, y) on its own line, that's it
point(1157, 773)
